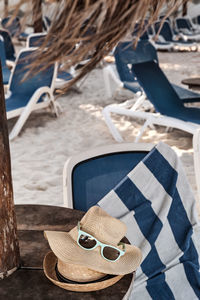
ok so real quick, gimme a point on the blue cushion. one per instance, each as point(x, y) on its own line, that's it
point(64, 75)
point(94, 178)
point(16, 101)
point(186, 95)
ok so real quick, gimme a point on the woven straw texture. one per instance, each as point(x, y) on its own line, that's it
point(49, 263)
point(107, 230)
point(78, 273)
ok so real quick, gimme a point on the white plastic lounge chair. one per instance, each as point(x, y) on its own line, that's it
point(146, 188)
point(14, 27)
point(170, 109)
point(186, 28)
point(36, 40)
point(168, 35)
point(123, 76)
point(88, 176)
point(33, 93)
point(157, 205)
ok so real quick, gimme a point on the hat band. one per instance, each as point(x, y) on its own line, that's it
point(61, 278)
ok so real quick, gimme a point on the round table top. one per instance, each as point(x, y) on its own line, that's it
point(29, 282)
point(195, 81)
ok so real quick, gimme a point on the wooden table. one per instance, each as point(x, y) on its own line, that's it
point(193, 83)
point(29, 282)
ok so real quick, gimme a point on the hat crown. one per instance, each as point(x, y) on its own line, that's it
point(102, 226)
point(78, 273)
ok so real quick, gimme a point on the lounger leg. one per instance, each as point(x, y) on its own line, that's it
point(20, 122)
point(55, 106)
point(25, 114)
point(138, 102)
point(146, 124)
point(115, 133)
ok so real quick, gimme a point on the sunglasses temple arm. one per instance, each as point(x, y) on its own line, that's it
point(123, 246)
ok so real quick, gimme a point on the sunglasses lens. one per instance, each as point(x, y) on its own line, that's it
point(110, 253)
point(86, 241)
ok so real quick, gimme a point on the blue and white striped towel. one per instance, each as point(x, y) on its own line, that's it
point(157, 205)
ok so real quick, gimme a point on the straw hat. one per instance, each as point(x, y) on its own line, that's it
point(51, 261)
point(104, 228)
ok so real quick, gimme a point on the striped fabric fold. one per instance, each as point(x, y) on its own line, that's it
point(157, 205)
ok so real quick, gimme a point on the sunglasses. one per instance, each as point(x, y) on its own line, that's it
point(88, 242)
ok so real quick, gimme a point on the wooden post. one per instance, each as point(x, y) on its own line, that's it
point(5, 8)
point(9, 247)
point(37, 16)
point(184, 10)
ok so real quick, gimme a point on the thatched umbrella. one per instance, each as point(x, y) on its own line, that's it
point(5, 8)
point(72, 39)
point(37, 15)
point(110, 20)
point(184, 9)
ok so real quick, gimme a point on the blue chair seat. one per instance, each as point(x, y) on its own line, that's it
point(163, 43)
point(19, 100)
point(145, 51)
point(64, 75)
point(186, 95)
point(188, 114)
point(15, 101)
point(23, 36)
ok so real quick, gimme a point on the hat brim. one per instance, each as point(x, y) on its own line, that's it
point(49, 264)
point(68, 251)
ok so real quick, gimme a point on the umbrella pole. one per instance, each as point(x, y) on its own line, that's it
point(37, 15)
point(184, 9)
point(9, 247)
point(5, 8)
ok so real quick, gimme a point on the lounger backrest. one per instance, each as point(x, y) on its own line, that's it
point(125, 54)
point(35, 40)
point(93, 178)
point(163, 16)
point(123, 69)
point(14, 27)
point(145, 34)
point(165, 31)
point(31, 84)
point(157, 88)
point(182, 23)
point(9, 48)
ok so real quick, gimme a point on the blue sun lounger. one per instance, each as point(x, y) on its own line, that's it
point(26, 95)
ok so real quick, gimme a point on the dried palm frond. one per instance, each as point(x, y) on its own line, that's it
point(93, 27)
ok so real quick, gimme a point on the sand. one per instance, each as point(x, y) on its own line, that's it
point(39, 153)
